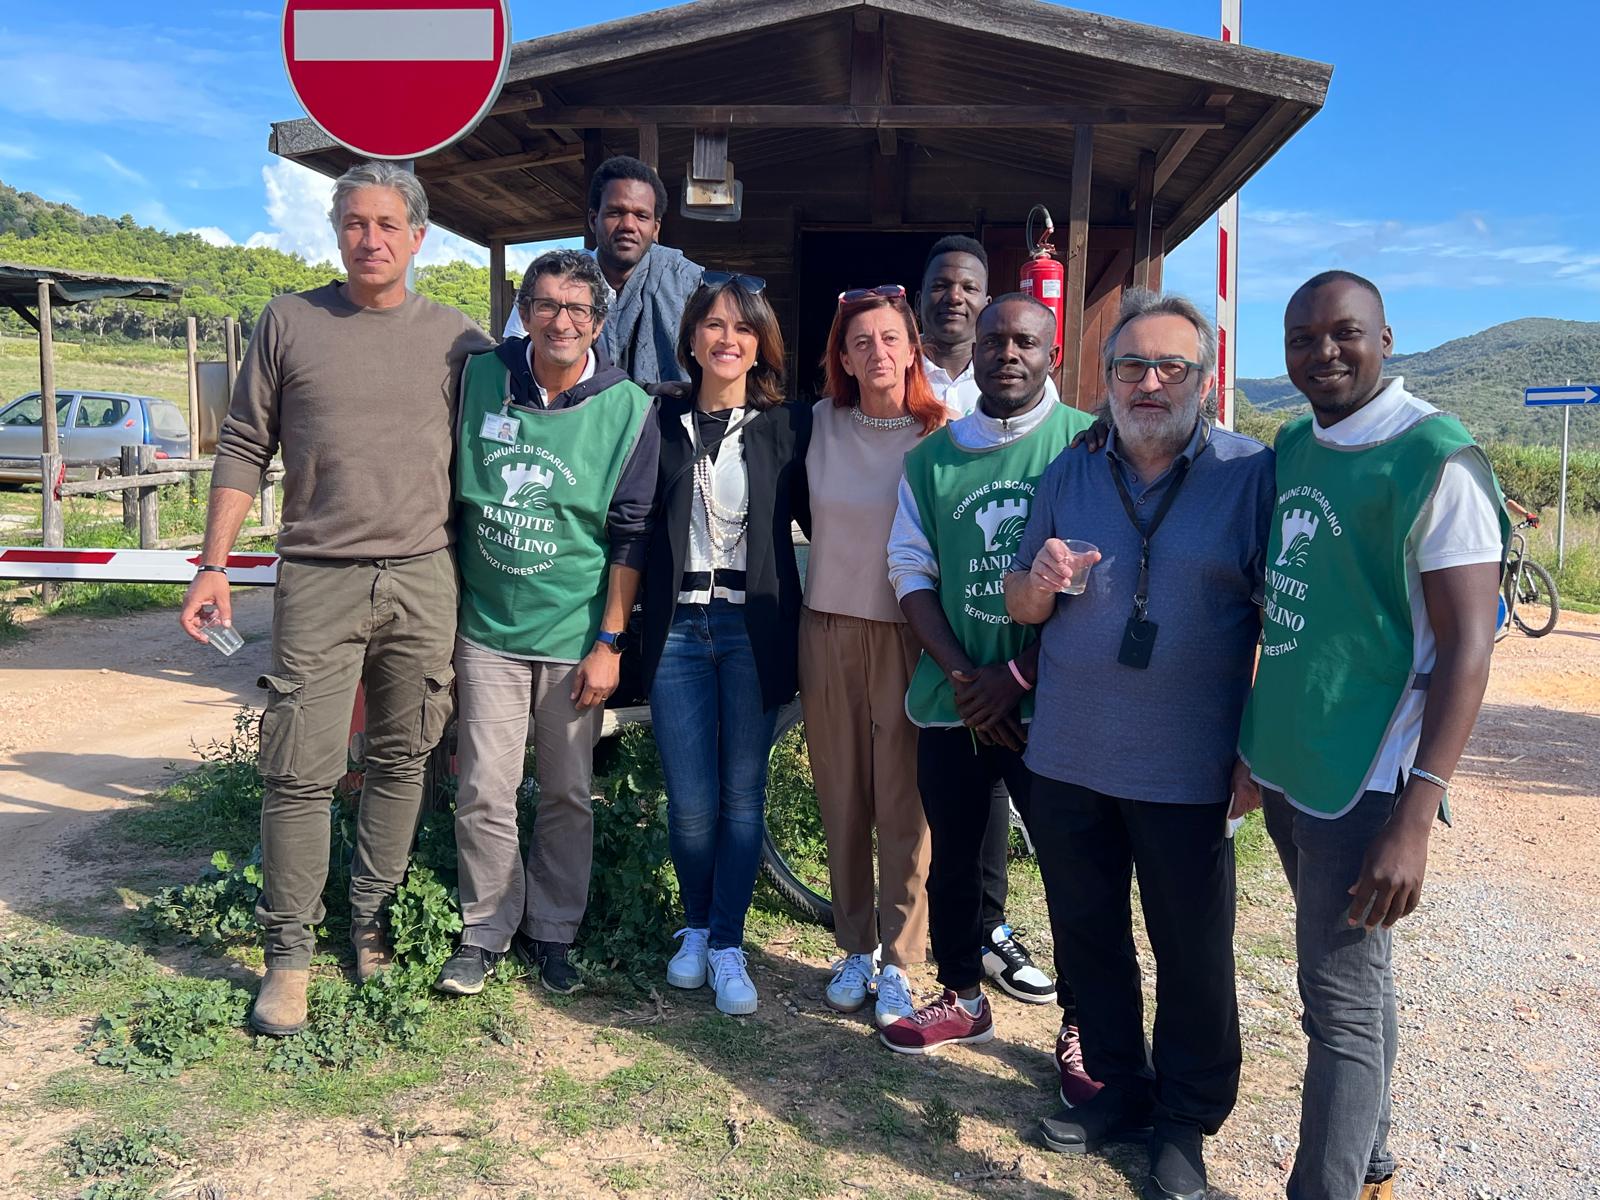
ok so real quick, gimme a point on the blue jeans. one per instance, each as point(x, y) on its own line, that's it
point(1347, 990)
point(714, 739)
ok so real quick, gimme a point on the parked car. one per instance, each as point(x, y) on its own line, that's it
point(93, 425)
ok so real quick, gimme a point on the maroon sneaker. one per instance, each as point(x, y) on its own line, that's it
point(1076, 1086)
point(942, 1023)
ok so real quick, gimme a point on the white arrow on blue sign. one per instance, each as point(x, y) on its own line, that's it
point(1579, 393)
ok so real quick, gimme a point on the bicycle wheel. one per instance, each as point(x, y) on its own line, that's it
point(794, 850)
point(1536, 605)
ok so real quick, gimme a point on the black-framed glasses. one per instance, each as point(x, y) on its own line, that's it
point(1129, 368)
point(582, 315)
point(889, 291)
point(753, 284)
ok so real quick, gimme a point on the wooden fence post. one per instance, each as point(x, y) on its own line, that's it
point(228, 343)
point(52, 526)
point(128, 469)
point(149, 512)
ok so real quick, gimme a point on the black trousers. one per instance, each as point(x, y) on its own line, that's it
point(1089, 846)
point(957, 779)
point(994, 862)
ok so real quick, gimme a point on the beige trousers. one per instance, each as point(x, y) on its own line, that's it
point(863, 749)
point(545, 895)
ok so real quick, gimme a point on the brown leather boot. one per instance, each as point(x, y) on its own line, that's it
point(280, 1007)
point(372, 952)
point(1378, 1191)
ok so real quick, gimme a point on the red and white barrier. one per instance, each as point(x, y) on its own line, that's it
point(128, 566)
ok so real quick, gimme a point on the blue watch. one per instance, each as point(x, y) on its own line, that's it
point(616, 642)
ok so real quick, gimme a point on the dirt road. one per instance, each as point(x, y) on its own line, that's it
point(1498, 972)
point(96, 712)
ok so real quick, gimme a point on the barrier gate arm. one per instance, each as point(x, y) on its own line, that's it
point(87, 564)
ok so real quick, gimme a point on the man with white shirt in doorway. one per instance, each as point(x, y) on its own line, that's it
point(954, 293)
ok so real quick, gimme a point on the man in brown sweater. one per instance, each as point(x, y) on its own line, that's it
point(355, 383)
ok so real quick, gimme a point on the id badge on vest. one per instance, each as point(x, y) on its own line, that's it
point(499, 427)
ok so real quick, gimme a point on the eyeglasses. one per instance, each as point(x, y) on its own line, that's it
point(752, 284)
point(889, 291)
point(582, 315)
point(1129, 368)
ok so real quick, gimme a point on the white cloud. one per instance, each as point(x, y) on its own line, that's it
point(16, 153)
point(120, 170)
point(297, 210)
point(151, 82)
point(1281, 248)
point(212, 235)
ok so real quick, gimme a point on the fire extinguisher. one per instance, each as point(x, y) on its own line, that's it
point(1043, 276)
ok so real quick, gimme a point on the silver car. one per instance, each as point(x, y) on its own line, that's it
point(93, 425)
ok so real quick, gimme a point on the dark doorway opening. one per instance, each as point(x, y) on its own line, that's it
point(834, 260)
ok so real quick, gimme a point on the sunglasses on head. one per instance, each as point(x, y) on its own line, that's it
point(889, 291)
point(752, 284)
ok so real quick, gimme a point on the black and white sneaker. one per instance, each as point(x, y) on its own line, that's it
point(549, 960)
point(463, 974)
point(1007, 962)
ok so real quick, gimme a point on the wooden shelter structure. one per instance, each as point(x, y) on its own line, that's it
point(863, 130)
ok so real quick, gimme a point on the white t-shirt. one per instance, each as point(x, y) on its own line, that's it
point(1458, 526)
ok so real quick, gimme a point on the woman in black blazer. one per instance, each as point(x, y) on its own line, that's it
point(721, 611)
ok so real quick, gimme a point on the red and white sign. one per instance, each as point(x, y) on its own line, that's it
point(396, 78)
point(128, 566)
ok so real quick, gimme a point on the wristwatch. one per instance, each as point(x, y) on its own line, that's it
point(615, 642)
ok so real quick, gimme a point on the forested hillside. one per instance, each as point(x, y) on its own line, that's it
point(1480, 378)
point(217, 281)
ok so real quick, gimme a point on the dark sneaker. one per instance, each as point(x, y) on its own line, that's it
point(1076, 1086)
point(1177, 1164)
point(550, 961)
point(1007, 961)
point(463, 974)
point(1109, 1117)
point(943, 1023)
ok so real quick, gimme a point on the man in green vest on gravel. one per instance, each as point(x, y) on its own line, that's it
point(555, 473)
point(1382, 574)
point(964, 500)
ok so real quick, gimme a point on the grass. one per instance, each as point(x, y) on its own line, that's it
point(139, 369)
point(1579, 581)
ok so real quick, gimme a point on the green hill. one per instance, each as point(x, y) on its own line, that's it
point(217, 281)
point(1480, 378)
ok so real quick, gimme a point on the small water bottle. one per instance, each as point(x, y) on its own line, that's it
point(224, 637)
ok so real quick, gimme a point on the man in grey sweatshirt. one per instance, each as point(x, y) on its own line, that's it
point(355, 382)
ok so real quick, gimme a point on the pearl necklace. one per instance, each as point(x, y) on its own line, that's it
point(725, 526)
point(901, 422)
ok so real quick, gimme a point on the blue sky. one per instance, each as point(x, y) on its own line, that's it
point(1454, 162)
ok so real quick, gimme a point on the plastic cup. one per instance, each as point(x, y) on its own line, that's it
point(225, 638)
point(1080, 557)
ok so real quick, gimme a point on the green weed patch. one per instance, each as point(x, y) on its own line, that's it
point(167, 1027)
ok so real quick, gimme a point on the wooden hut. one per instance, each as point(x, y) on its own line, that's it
point(863, 130)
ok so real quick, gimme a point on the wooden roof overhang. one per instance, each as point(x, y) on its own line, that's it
point(995, 86)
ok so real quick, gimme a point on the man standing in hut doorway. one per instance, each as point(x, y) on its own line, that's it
point(652, 282)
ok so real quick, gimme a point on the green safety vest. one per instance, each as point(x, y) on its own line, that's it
point(531, 537)
point(973, 505)
point(1338, 646)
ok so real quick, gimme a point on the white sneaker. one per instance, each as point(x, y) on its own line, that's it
point(894, 996)
point(852, 975)
point(688, 966)
point(736, 995)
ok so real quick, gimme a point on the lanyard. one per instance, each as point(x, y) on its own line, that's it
point(1141, 595)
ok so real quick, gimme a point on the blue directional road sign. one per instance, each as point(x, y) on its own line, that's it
point(1573, 393)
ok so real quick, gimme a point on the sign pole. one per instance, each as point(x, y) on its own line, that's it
point(1561, 512)
point(1227, 266)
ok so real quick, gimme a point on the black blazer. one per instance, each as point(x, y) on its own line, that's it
point(774, 443)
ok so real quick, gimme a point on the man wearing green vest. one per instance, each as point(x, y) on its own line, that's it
point(1382, 574)
point(964, 500)
point(555, 470)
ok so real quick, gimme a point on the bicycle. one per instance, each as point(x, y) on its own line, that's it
point(1528, 594)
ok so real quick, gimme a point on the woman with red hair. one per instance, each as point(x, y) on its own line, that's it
point(856, 652)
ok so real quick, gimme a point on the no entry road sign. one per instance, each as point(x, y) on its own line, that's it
point(396, 78)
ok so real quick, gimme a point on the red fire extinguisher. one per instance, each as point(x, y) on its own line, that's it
point(1043, 277)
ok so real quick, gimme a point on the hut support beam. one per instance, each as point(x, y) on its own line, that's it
point(1144, 210)
point(1077, 248)
point(497, 287)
